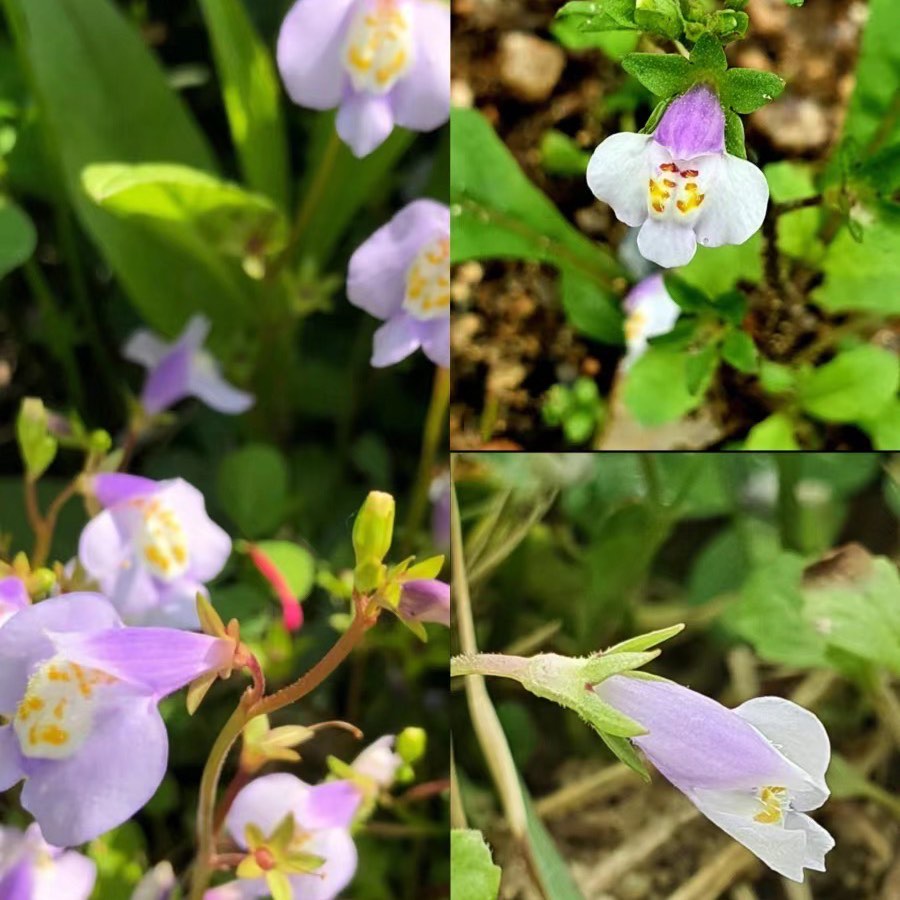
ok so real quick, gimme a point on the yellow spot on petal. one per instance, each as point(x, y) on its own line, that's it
point(428, 281)
point(378, 51)
point(773, 800)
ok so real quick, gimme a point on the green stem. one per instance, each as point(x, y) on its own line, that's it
point(497, 664)
point(435, 422)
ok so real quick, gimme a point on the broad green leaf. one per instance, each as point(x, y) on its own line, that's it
point(663, 74)
point(497, 213)
point(189, 205)
point(746, 90)
point(855, 386)
point(864, 276)
point(774, 433)
point(739, 351)
point(717, 270)
point(252, 94)
point(103, 97)
point(338, 185)
point(857, 609)
point(295, 564)
point(473, 875)
point(17, 237)
point(656, 389)
point(589, 309)
point(253, 488)
point(884, 428)
point(873, 106)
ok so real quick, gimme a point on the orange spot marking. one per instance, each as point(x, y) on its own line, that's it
point(668, 167)
point(690, 173)
point(54, 735)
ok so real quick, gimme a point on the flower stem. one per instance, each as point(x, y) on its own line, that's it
point(249, 708)
point(497, 664)
point(435, 422)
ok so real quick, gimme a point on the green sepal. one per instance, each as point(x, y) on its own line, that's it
point(645, 641)
point(747, 90)
point(663, 74)
point(624, 751)
point(734, 135)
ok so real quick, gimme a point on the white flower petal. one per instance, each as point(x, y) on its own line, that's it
point(145, 348)
point(668, 244)
point(618, 172)
point(781, 849)
point(736, 201)
point(217, 393)
point(818, 840)
point(799, 736)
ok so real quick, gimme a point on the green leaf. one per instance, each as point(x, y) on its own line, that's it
point(594, 313)
point(798, 230)
point(856, 385)
point(662, 17)
point(560, 155)
point(884, 429)
point(497, 213)
point(734, 135)
point(253, 488)
point(739, 351)
point(717, 270)
point(864, 276)
point(37, 446)
point(873, 105)
point(295, 564)
point(708, 55)
point(120, 856)
point(656, 390)
point(700, 366)
point(473, 875)
point(774, 433)
point(687, 296)
point(747, 90)
point(603, 33)
point(645, 641)
point(252, 94)
point(190, 206)
point(775, 378)
point(103, 96)
point(18, 238)
point(596, 15)
point(663, 74)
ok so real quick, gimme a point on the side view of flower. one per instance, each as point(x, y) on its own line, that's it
point(650, 312)
point(32, 869)
point(679, 184)
point(754, 770)
point(380, 62)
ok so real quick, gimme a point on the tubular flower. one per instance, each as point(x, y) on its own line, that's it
point(183, 369)
point(425, 600)
point(651, 312)
point(80, 693)
point(13, 597)
point(297, 839)
point(679, 184)
point(401, 274)
point(152, 549)
point(380, 62)
point(32, 869)
point(754, 770)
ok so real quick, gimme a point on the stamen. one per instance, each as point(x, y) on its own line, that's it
point(774, 800)
point(379, 47)
point(428, 281)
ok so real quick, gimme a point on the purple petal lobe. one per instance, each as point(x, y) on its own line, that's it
point(395, 340)
point(421, 99)
point(159, 660)
point(18, 882)
point(11, 771)
point(364, 122)
point(427, 600)
point(693, 125)
point(13, 597)
point(330, 805)
point(435, 336)
point(114, 487)
point(207, 384)
point(114, 774)
point(167, 382)
point(309, 51)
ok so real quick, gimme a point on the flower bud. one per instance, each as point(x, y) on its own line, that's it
point(373, 532)
point(411, 744)
point(37, 446)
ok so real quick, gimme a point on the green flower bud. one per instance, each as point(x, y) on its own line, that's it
point(373, 532)
point(36, 445)
point(411, 744)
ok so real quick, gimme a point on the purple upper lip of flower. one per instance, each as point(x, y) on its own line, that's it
point(753, 770)
point(153, 548)
point(81, 691)
point(679, 185)
point(13, 597)
point(381, 62)
point(385, 272)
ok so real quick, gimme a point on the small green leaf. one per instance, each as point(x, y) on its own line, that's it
point(688, 297)
point(18, 237)
point(775, 378)
point(747, 90)
point(253, 487)
point(739, 351)
point(37, 446)
point(856, 385)
point(473, 875)
point(662, 17)
point(646, 641)
point(774, 433)
point(662, 74)
point(708, 55)
point(884, 429)
point(656, 389)
point(700, 367)
point(731, 306)
point(734, 135)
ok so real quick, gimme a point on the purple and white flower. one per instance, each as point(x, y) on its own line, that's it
point(32, 869)
point(80, 691)
point(152, 549)
point(294, 833)
point(753, 770)
point(183, 369)
point(425, 600)
point(379, 763)
point(13, 597)
point(651, 313)
point(381, 63)
point(401, 274)
point(679, 184)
